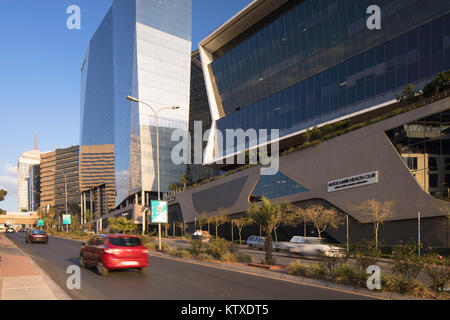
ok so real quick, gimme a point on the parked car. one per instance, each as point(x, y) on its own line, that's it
point(35, 235)
point(257, 242)
point(201, 235)
point(113, 252)
point(10, 230)
point(312, 246)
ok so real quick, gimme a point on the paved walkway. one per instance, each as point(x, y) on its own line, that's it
point(21, 278)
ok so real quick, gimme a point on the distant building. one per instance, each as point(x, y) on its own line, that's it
point(34, 188)
point(54, 166)
point(26, 161)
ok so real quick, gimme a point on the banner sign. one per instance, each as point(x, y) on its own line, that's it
point(159, 212)
point(66, 219)
point(353, 182)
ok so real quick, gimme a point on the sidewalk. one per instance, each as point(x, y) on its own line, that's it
point(22, 279)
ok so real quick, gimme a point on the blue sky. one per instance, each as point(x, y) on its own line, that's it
point(40, 61)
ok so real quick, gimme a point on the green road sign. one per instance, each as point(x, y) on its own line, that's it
point(66, 219)
point(159, 212)
point(40, 223)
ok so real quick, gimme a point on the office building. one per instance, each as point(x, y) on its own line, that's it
point(58, 169)
point(142, 48)
point(26, 161)
point(34, 188)
point(296, 64)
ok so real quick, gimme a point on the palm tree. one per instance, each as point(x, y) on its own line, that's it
point(184, 180)
point(267, 217)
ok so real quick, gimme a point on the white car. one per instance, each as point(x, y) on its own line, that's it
point(310, 246)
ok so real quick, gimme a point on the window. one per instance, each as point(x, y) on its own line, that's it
point(125, 241)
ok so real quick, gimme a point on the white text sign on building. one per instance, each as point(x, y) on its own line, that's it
point(353, 182)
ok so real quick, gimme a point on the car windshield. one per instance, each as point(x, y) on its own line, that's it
point(125, 241)
point(38, 232)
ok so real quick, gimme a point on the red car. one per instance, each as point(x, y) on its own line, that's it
point(35, 235)
point(113, 252)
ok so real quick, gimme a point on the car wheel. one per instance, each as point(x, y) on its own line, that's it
point(101, 269)
point(142, 270)
point(82, 263)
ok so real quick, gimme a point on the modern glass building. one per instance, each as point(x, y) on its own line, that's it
point(294, 64)
point(143, 49)
point(26, 162)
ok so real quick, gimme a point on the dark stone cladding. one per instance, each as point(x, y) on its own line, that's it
point(364, 150)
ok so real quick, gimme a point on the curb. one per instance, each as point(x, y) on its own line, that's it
point(293, 279)
point(59, 293)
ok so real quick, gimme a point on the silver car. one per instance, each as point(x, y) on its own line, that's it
point(255, 242)
point(311, 246)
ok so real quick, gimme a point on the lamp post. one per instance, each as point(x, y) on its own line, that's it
point(65, 184)
point(174, 107)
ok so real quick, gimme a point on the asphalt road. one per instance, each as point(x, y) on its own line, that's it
point(166, 279)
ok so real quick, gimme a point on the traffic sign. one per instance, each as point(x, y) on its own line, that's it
point(66, 219)
point(159, 212)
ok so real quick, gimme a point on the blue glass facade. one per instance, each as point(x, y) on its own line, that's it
point(311, 62)
point(276, 186)
point(125, 58)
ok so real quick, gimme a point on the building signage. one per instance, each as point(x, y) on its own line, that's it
point(66, 219)
point(159, 212)
point(353, 182)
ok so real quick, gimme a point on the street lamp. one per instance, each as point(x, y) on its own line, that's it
point(65, 183)
point(174, 107)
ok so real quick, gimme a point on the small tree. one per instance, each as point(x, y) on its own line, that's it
point(267, 217)
point(218, 220)
point(3, 194)
point(377, 213)
point(240, 223)
point(184, 180)
point(89, 217)
point(202, 220)
point(319, 216)
point(122, 225)
point(285, 208)
point(408, 94)
point(173, 186)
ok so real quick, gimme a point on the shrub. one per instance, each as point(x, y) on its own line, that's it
point(406, 261)
point(348, 275)
point(243, 257)
point(438, 270)
point(397, 283)
point(315, 134)
point(204, 257)
point(228, 257)
point(366, 254)
point(297, 269)
point(197, 246)
point(217, 247)
point(317, 271)
point(333, 262)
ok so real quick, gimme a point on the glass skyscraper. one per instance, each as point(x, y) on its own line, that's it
point(291, 65)
point(143, 49)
